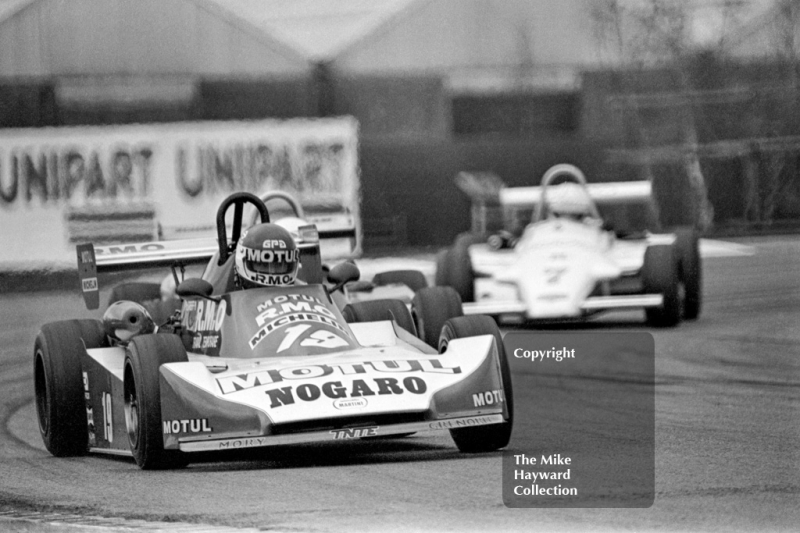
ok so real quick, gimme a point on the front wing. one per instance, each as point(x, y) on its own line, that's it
point(362, 394)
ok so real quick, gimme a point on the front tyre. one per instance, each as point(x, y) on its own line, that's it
point(58, 383)
point(431, 307)
point(495, 436)
point(141, 389)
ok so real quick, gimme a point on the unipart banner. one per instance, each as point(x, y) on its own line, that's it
point(114, 184)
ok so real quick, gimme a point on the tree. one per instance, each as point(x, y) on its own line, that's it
point(659, 36)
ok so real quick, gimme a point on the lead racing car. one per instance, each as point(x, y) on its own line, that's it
point(569, 264)
point(261, 366)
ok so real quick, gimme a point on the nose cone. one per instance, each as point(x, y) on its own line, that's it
point(558, 282)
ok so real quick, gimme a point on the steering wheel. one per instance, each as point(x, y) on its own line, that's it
point(237, 200)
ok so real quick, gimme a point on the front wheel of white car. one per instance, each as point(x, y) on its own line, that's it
point(495, 436)
point(661, 275)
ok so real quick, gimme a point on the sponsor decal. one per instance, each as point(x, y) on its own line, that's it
point(86, 256)
point(354, 433)
point(289, 304)
point(272, 279)
point(242, 443)
point(108, 419)
point(286, 320)
point(249, 380)
point(350, 403)
point(461, 423)
point(130, 248)
point(490, 397)
point(287, 309)
point(206, 342)
point(268, 255)
point(205, 317)
point(334, 390)
point(195, 425)
point(89, 410)
point(89, 284)
point(189, 314)
point(209, 315)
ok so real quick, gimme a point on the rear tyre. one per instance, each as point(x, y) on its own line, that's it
point(457, 267)
point(376, 310)
point(413, 279)
point(495, 436)
point(660, 275)
point(141, 388)
point(440, 278)
point(690, 271)
point(58, 383)
point(431, 307)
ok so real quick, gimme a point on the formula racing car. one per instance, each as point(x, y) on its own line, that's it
point(256, 367)
point(338, 237)
point(569, 264)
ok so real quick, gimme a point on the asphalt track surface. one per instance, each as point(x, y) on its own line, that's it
point(727, 440)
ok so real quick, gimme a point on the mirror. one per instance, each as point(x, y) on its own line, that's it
point(343, 273)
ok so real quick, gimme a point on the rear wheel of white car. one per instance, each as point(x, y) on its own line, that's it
point(481, 438)
point(377, 310)
point(141, 389)
point(413, 279)
point(58, 383)
point(454, 267)
point(660, 275)
point(691, 271)
point(431, 308)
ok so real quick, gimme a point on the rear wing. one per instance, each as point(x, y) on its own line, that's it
point(136, 256)
point(166, 254)
point(488, 189)
point(617, 193)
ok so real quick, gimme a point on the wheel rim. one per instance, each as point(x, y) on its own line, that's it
point(131, 411)
point(42, 398)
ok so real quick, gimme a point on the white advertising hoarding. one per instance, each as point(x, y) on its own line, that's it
point(112, 184)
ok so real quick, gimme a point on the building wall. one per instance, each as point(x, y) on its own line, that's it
point(146, 37)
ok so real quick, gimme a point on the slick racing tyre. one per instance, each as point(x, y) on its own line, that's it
point(377, 310)
point(58, 383)
point(660, 275)
point(454, 267)
point(431, 307)
point(141, 389)
point(413, 279)
point(690, 271)
point(481, 438)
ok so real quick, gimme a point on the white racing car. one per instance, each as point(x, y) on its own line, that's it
point(568, 264)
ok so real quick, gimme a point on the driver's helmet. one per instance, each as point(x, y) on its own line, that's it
point(266, 256)
point(568, 200)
